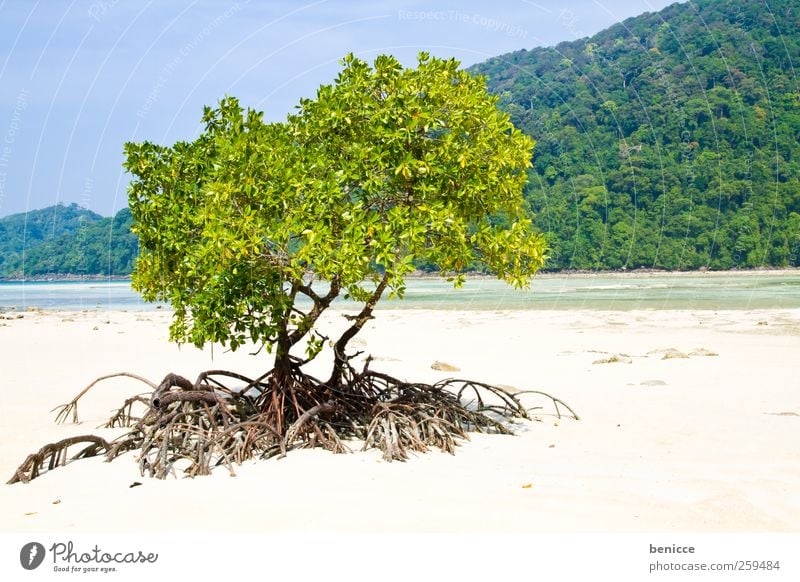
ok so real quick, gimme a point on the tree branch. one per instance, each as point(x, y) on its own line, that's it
point(321, 303)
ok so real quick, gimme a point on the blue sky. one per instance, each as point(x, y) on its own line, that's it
point(80, 78)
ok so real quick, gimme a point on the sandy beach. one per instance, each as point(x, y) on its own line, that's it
point(690, 421)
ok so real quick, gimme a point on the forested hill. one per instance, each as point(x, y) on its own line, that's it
point(669, 140)
point(66, 240)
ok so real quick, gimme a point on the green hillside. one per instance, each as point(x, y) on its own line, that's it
point(62, 240)
point(668, 140)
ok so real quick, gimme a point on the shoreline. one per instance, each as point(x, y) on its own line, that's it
point(64, 278)
point(656, 273)
point(577, 274)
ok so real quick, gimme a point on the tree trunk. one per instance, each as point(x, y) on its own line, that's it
point(340, 359)
point(281, 383)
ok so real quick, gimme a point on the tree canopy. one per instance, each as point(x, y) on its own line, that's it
point(386, 166)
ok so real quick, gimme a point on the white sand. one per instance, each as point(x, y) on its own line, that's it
point(705, 443)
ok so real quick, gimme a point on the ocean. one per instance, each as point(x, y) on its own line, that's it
point(616, 292)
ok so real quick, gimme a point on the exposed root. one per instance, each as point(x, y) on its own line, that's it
point(224, 418)
point(556, 402)
point(55, 454)
point(124, 417)
point(72, 406)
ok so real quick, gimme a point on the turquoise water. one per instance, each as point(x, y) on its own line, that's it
point(71, 295)
point(608, 292)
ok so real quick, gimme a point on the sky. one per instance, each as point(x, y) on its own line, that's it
point(80, 78)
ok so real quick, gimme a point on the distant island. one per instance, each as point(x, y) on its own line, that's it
point(668, 141)
point(66, 242)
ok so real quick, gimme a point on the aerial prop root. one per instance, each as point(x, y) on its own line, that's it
point(225, 418)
